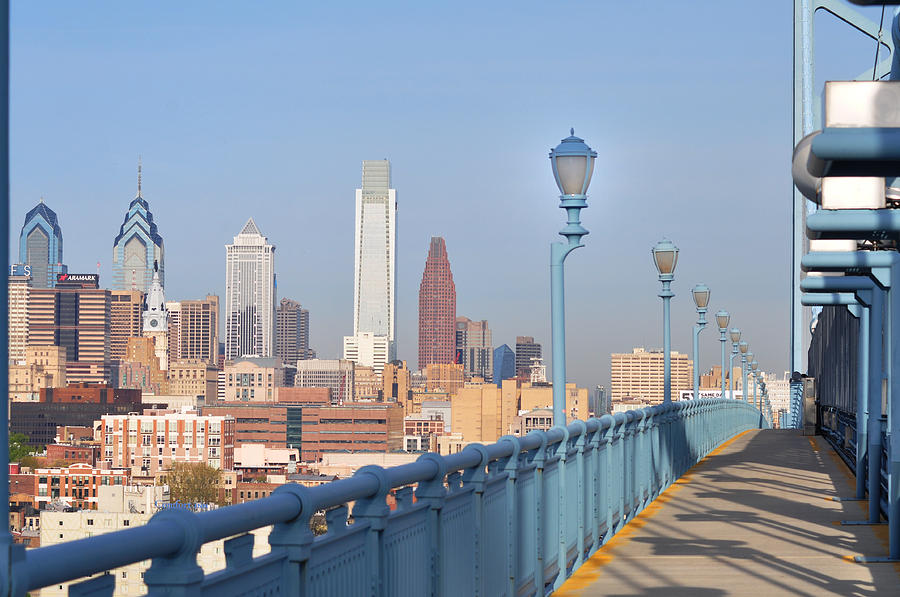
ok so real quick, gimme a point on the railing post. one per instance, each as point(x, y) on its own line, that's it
point(617, 458)
point(433, 493)
point(295, 537)
point(628, 461)
point(177, 575)
point(580, 443)
point(538, 458)
point(511, 468)
point(561, 509)
point(656, 481)
point(374, 510)
point(595, 472)
point(476, 477)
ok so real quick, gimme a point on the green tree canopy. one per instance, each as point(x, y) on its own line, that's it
point(19, 447)
point(193, 482)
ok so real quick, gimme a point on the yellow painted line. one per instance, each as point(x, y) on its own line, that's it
point(590, 570)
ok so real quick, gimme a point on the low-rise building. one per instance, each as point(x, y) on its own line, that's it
point(74, 486)
point(253, 379)
point(353, 427)
point(151, 443)
point(339, 375)
point(193, 377)
point(44, 366)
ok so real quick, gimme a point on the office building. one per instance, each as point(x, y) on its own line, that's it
point(504, 364)
point(253, 380)
point(40, 420)
point(338, 375)
point(374, 242)
point(291, 332)
point(639, 375)
point(141, 369)
point(269, 425)
point(44, 366)
point(41, 246)
point(193, 377)
point(395, 382)
point(138, 248)
point(437, 308)
point(156, 320)
point(194, 329)
point(124, 320)
point(526, 350)
point(148, 444)
point(353, 427)
point(367, 350)
point(249, 295)
point(19, 287)
point(75, 315)
point(482, 412)
point(440, 377)
point(473, 347)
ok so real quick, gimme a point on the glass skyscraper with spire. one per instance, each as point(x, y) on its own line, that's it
point(41, 246)
point(137, 247)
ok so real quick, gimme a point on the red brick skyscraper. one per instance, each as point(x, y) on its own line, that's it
point(437, 308)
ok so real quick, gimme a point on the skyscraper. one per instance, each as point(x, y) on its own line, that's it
point(124, 321)
point(194, 329)
point(249, 294)
point(375, 238)
point(41, 246)
point(75, 316)
point(137, 247)
point(291, 332)
point(504, 364)
point(437, 307)
point(473, 342)
point(19, 287)
point(526, 349)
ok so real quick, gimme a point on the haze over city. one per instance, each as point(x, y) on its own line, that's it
point(268, 112)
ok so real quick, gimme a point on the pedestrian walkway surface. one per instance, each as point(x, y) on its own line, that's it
point(754, 518)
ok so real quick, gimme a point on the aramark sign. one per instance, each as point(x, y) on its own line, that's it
point(92, 278)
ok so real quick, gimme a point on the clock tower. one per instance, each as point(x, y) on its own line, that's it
point(156, 319)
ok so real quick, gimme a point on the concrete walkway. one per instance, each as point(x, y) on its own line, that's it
point(755, 518)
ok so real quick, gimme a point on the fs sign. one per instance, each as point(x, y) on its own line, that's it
point(20, 269)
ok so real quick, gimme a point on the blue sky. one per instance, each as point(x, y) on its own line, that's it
point(267, 110)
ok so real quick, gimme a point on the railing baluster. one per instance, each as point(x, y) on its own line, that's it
point(295, 537)
point(511, 467)
point(562, 545)
point(433, 493)
point(476, 476)
point(375, 511)
point(580, 444)
point(537, 458)
point(177, 575)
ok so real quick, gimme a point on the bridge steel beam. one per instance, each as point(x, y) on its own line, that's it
point(860, 309)
point(883, 267)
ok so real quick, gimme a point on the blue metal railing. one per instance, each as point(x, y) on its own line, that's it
point(839, 429)
point(512, 518)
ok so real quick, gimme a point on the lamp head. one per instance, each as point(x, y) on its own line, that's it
point(755, 366)
point(735, 335)
point(701, 296)
point(573, 165)
point(722, 319)
point(665, 258)
point(743, 347)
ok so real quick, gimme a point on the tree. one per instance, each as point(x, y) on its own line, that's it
point(19, 447)
point(193, 482)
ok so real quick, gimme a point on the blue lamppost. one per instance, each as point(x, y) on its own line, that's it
point(749, 373)
point(722, 319)
point(754, 366)
point(735, 338)
point(743, 347)
point(573, 165)
point(665, 257)
point(701, 300)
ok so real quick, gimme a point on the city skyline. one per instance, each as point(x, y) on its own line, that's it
point(214, 152)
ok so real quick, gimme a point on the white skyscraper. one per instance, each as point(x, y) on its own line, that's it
point(375, 240)
point(249, 294)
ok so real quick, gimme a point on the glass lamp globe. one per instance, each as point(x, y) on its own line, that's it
point(573, 165)
point(722, 319)
point(701, 295)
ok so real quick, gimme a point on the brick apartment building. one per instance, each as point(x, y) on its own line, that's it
point(76, 484)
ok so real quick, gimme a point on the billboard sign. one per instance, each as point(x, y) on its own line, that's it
point(20, 269)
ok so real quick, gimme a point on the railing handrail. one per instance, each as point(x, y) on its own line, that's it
point(164, 537)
